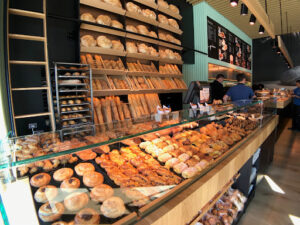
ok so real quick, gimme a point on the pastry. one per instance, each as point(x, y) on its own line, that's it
point(82, 168)
point(45, 193)
point(101, 192)
point(117, 45)
point(77, 101)
point(131, 7)
point(70, 184)
point(189, 172)
point(142, 29)
point(50, 212)
point(62, 174)
point(116, 24)
point(104, 19)
point(40, 179)
point(131, 28)
point(163, 3)
point(87, 216)
point(86, 155)
point(116, 3)
point(143, 48)
point(152, 34)
point(113, 207)
point(76, 201)
point(178, 168)
point(131, 47)
point(174, 8)
point(87, 17)
point(88, 41)
point(173, 23)
point(103, 42)
point(92, 179)
point(149, 13)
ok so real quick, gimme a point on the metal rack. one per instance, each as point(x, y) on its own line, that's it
point(72, 98)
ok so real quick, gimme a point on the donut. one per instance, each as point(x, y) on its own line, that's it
point(62, 174)
point(40, 179)
point(45, 193)
point(86, 155)
point(49, 212)
point(87, 216)
point(81, 168)
point(113, 207)
point(70, 184)
point(76, 201)
point(92, 179)
point(101, 192)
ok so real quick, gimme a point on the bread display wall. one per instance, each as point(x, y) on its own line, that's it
point(97, 62)
point(169, 69)
point(134, 8)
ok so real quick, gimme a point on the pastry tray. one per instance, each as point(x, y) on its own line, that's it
point(73, 90)
point(73, 77)
point(76, 118)
point(80, 84)
point(78, 104)
point(64, 98)
point(77, 111)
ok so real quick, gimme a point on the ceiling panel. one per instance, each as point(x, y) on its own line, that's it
point(292, 7)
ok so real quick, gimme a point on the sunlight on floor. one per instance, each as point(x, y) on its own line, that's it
point(273, 185)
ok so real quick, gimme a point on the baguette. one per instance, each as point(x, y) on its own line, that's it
point(114, 109)
point(99, 62)
point(144, 104)
point(83, 59)
point(90, 60)
point(107, 112)
point(126, 111)
point(120, 109)
point(98, 84)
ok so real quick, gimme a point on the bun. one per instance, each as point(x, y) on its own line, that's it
point(116, 3)
point(131, 7)
point(131, 47)
point(70, 184)
point(87, 17)
point(173, 23)
point(104, 42)
point(82, 168)
point(87, 216)
point(62, 174)
point(116, 24)
point(143, 48)
point(163, 19)
point(142, 29)
point(40, 179)
point(88, 41)
point(92, 179)
point(51, 212)
point(76, 201)
point(149, 13)
point(131, 28)
point(174, 8)
point(163, 3)
point(103, 19)
point(113, 207)
point(152, 34)
point(101, 192)
point(117, 45)
point(45, 193)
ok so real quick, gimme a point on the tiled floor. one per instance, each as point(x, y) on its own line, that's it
point(270, 207)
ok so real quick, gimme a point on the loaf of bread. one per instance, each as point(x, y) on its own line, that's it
point(90, 60)
point(173, 23)
point(116, 3)
point(163, 19)
point(87, 17)
point(116, 24)
point(162, 36)
point(149, 13)
point(83, 59)
point(142, 29)
point(163, 3)
point(153, 52)
point(88, 41)
point(174, 8)
point(152, 34)
point(131, 47)
point(143, 48)
point(104, 42)
point(117, 45)
point(104, 19)
point(99, 61)
point(131, 28)
point(131, 7)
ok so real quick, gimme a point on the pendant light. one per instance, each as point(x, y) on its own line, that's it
point(261, 30)
point(252, 20)
point(244, 9)
point(234, 3)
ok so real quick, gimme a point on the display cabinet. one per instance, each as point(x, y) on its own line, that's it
point(122, 171)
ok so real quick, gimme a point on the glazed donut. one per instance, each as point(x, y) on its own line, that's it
point(82, 168)
point(76, 201)
point(45, 193)
point(113, 207)
point(70, 184)
point(116, 24)
point(92, 179)
point(40, 179)
point(101, 192)
point(87, 17)
point(62, 174)
point(88, 41)
point(49, 212)
point(87, 216)
point(103, 19)
point(103, 42)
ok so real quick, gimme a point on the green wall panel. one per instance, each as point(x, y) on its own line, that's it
point(199, 70)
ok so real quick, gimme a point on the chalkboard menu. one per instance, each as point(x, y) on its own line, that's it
point(226, 46)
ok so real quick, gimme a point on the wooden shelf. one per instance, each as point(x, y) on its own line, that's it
point(127, 92)
point(142, 18)
point(108, 72)
point(171, 61)
point(30, 89)
point(169, 12)
point(26, 37)
point(141, 38)
point(32, 115)
point(20, 12)
point(142, 56)
point(161, 43)
point(27, 62)
point(104, 6)
point(171, 75)
point(142, 73)
point(147, 3)
point(170, 28)
point(103, 30)
point(104, 51)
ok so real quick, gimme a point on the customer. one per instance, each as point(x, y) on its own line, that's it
point(217, 89)
point(296, 107)
point(239, 91)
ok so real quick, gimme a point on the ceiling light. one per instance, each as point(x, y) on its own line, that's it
point(278, 51)
point(234, 3)
point(261, 30)
point(252, 19)
point(244, 9)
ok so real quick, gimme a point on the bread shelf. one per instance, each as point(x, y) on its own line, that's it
point(104, 6)
point(142, 91)
point(103, 30)
point(162, 43)
point(142, 73)
point(170, 28)
point(104, 51)
point(141, 18)
point(142, 56)
point(169, 12)
point(141, 38)
point(147, 3)
point(173, 61)
point(132, 73)
point(108, 72)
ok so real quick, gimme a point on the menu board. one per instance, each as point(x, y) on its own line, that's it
point(226, 46)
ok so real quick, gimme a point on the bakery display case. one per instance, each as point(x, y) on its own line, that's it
point(120, 171)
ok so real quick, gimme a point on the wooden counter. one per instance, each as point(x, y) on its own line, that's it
point(283, 104)
point(186, 205)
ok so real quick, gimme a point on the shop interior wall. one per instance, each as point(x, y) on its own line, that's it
point(267, 65)
point(199, 70)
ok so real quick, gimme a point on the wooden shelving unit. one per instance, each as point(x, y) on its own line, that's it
point(170, 28)
point(142, 56)
point(104, 51)
point(103, 30)
point(147, 3)
point(141, 18)
point(169, 12)
point(104, 6)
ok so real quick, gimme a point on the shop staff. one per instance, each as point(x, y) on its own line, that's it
point(239, 91)
point(217, 89)
point(296, 107)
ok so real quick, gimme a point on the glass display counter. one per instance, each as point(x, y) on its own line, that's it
point(117, 173)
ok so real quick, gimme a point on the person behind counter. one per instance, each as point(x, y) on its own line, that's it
point(217, 89)
point(296, 107)
point(239, 91)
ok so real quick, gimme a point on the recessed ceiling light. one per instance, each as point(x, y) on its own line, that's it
point(261, 30)
point(252, 19)
point(244, 9)
point(234, 3)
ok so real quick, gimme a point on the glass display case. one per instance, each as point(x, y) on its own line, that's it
point(119, 172)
